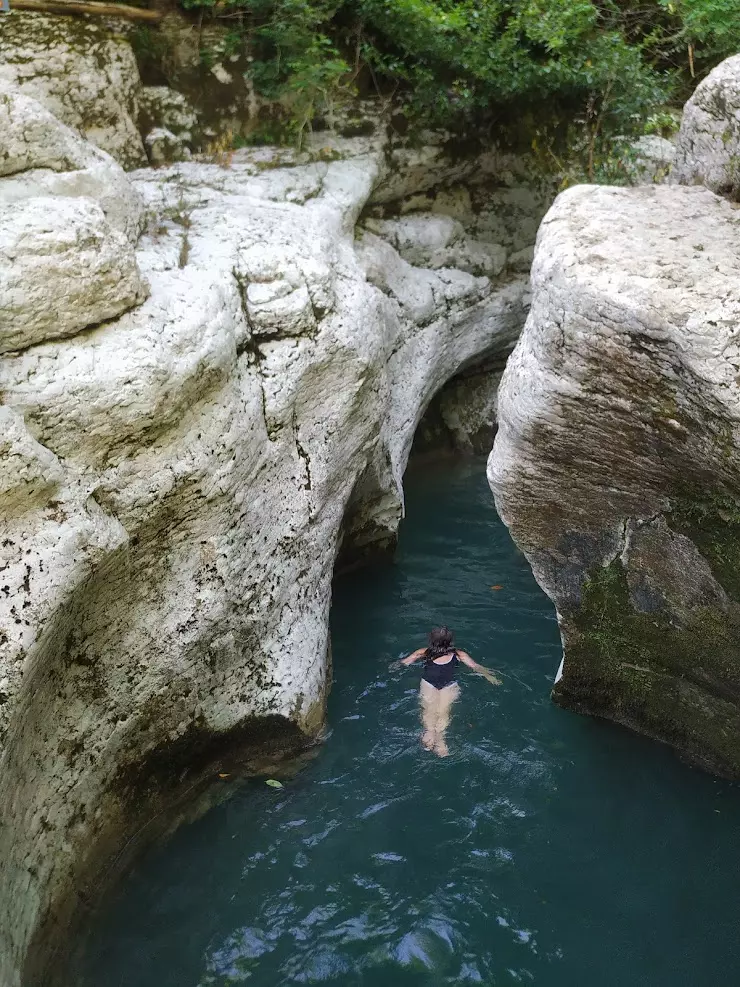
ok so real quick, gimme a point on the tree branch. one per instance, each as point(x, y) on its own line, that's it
point(88, 7)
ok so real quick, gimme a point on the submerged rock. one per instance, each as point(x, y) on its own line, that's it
point(617, 461)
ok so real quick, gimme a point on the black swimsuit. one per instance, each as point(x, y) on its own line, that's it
point(441, 676)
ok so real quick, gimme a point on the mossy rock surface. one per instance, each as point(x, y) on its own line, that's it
point(669, 672)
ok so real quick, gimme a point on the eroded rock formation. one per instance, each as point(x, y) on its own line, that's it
point(79, 70)
point(462, 418)
point(187, 420)
point(617, 461)
point(708, 144)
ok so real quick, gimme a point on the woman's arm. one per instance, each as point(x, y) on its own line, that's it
point(467, 660)
point(414, 656)
point(480, 669)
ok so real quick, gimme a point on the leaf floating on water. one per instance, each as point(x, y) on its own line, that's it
point(274, 783)
point(497, 587)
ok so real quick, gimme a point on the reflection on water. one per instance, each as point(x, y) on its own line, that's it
point(547, 849)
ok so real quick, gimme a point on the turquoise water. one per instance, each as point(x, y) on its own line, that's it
point(548, 849)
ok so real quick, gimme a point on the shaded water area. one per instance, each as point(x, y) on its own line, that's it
point(547, 849)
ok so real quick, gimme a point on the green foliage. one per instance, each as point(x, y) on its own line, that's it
point(467, 55)
point(711, 26)
point(150, 46)
point(604, 67)
point(662, 122)
point(292, 59)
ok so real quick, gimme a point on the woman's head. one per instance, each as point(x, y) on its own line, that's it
point(440, 638)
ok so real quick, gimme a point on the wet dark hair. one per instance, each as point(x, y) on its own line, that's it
point(440, 642)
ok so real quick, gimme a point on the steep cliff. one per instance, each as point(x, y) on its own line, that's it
point(193, 419)
point(617, 461)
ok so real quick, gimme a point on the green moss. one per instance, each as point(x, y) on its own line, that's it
point(712, 522)
point(677, 682)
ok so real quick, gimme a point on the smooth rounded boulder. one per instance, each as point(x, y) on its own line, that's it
point(617, 461)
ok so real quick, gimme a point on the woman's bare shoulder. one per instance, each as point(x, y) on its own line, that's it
point(414, 656)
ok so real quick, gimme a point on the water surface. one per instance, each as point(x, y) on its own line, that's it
point(548, 849)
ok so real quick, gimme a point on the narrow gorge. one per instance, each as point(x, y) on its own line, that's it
point(214, 361)
point(229, 366)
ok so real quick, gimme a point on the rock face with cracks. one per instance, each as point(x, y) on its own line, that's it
point(461, 418)
point(80, 71)
point(67, 231)
point(40, 156)
point(617, 461)
point(176, 471)
point(62, 249)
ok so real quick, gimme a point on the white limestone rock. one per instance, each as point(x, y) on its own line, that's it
point(194, 465)
point(708, 143)
point(433, 160)
point(164, 147)
point(468, 407)
point(86, 76)
point(62, 268)
point(651, 159)
point(277, 308)
point(32, 137)
point(40, 156)
point(169, 122)
point(521, 260)
point(479, 257)
point(617, 461)
point(429, 240)
point(29, 474)
point(413, 289)
point(461, 418)
point(500, 210)
point(419, 237)
point(160, 106)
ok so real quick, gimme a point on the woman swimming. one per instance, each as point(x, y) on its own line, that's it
point(438, 689)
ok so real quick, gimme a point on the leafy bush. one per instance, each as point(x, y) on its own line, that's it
point(710, 27)
point(603, 66)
